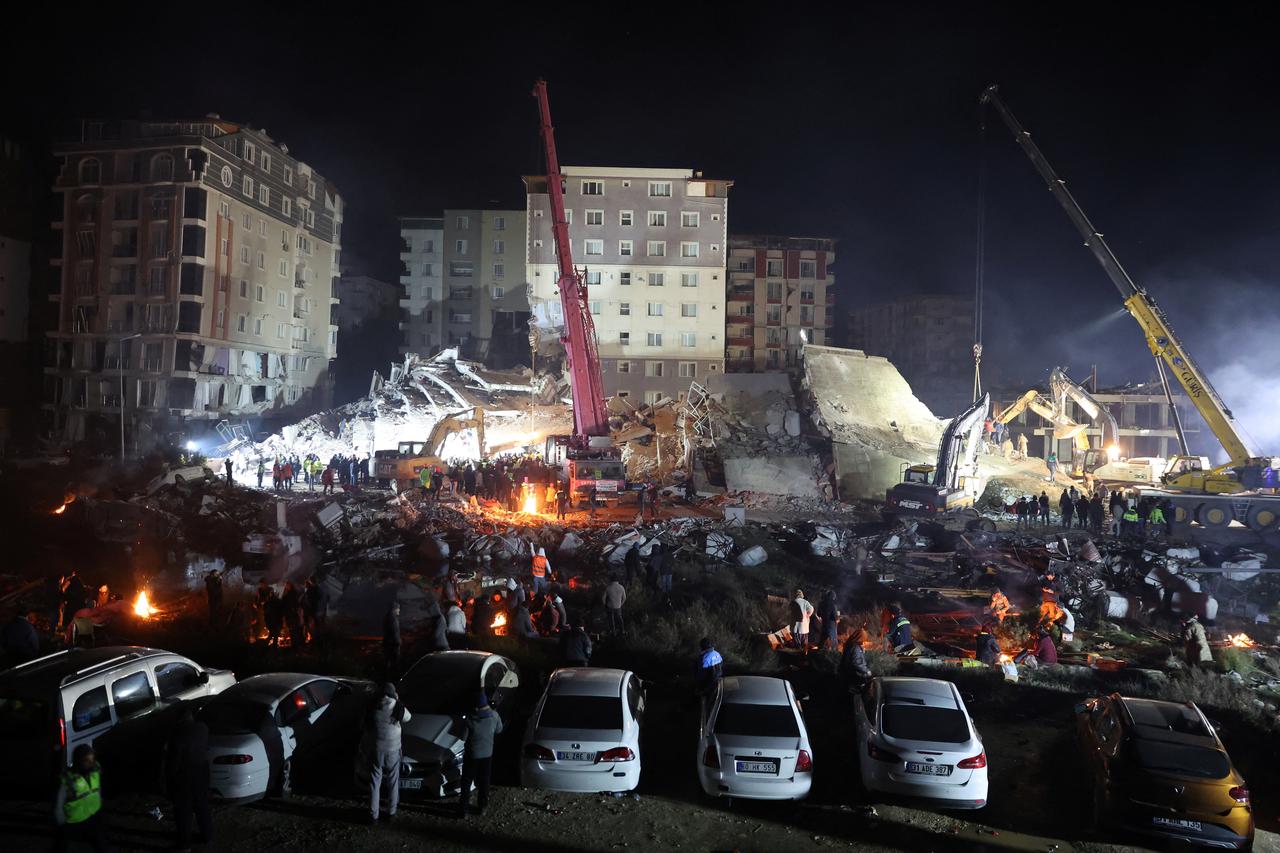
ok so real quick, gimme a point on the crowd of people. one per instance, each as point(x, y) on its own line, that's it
point(1106, 511)
point(311, 471)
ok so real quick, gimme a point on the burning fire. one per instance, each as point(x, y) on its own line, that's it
point(530, 504)
point(1241, 641)
point(499, 625)
point(142, 606)
point(1005, 657)
point(67, 500)
point(60, 510)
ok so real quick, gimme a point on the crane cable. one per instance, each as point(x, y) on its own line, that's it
point(979, 253)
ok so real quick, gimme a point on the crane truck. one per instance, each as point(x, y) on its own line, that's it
point(1242, 489)
point(588, 457)
point(953, 482)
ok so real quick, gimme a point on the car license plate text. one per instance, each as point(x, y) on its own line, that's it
point(411, 784)
point(575, 756)
point(929, 769)
point(756, 766)
point(1177, 823)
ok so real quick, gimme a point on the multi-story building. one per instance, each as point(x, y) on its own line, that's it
point(653, 243)
point(17, 202)
point(363, 298)
point(199, 265)
point(485, 290)
point(929, 339)
point(780, 296)
point(422, 280)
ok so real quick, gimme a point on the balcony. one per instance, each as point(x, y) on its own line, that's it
point(743, 295)
point(299, 282)
point(740, 365)
point(741, 341)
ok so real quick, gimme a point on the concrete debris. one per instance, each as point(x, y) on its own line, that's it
point(753, 556)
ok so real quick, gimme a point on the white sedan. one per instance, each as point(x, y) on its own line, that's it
point(754, 743)
point(269, 730)
point(584, 736)
point(916, 739)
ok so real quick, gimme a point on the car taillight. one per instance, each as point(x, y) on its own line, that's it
point(976, 763)
point(804, 762)
point(1239, 794)
point(711, 758)
point(62, 734)
point(618, 753)
point(233, 759)
point(541, 753)
point(879, 754)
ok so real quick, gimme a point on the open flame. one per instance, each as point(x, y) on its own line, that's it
point(66, 502)
point(142, 606)
point(530, 504)
point(1241, 641)
point(499, 624)
point(1005, 657)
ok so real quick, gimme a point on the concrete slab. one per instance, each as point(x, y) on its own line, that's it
point(773, 475)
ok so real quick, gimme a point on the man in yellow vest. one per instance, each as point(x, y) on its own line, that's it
point(78, 809)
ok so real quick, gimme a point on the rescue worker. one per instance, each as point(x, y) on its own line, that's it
point(1022, 445)
point(78, 807)
point(276, 472)
point(388, 715)
point(999, 605)
point(1154, 518)
point(326, 480)
point(483, 725)
point(986, 648)
point(615, 595)
point(315, 599)
point(549, 497)
point(1095, 515)
point(540, 567)
point(187, 763)
point(1196, 643)
point(710, 670)
point(1129, 522)
point(899, 638)
point(801, 613)
point(854, 671)
point(1042, 653)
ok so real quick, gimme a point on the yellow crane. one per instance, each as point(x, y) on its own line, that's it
point(1244, 488)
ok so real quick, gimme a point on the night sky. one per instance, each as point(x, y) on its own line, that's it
point(860, 124)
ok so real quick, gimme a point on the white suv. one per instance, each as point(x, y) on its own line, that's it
point(51, 705)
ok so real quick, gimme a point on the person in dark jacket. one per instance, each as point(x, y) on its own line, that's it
point(829, 613)
point(391, 641)
point(1095, 515)
point(213, 590)
point(273, 617)
point(899, 635)
point(575, 645)
point(988, 650)
point(632, 562)
point(854, 671)
point(655, 564)
point(483, 725)
point(20, 640)
point(291, 604)
point(436, 631)
point(706, 678)
point(188, 777)
point(1082, 512)
point(315, 600)
point(524, 621)
point(1067, 507)
point(1043, 505)
point(1043, 653)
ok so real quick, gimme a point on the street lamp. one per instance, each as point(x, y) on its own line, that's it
point(120, 367)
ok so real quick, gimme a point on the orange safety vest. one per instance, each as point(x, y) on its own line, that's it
point(539, 567)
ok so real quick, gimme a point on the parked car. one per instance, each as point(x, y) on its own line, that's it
point(173, 476)
point(51, 705)
point(754, 743)
point(271, 730)
point(1159, 769)
point(584, 735)
point(916, 739)
point(439, 690)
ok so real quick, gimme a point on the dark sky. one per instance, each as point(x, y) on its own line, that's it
point(857, 122)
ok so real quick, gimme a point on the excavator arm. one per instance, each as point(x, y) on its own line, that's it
point(1063, 387)
point(958, 450)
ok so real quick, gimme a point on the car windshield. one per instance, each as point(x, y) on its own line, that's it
point(21, 716)
point(921, 722)
point(439, 687)
point(581, 712)
point(225, 718)
point(740, 718)
point(1180, 759)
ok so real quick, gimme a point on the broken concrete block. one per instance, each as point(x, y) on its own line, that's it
point(1187, 555)
point(329, 515)
point(736, 516)
point(792, 422)
point(753, 556)
point(1200, 603)
point(570, 545)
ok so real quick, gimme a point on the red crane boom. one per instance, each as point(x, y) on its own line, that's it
point(583, 359)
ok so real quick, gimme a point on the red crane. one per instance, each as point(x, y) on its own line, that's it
point(583, 359)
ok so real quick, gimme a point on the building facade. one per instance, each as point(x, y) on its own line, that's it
point(780, 296)
point(929, 339)
point(485, 288)
point(653, 244)
point(17, 204)
point(198, 280)
point(421, 282)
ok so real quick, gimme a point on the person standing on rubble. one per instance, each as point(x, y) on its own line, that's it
point(455, 622)
point(655, 563)
point(226, 463)
point(562, 501)
point(213, 590)
point(631, 562)
point(1020, 512)
point(1195, 643)
point(1022, 446)
point(262, 471)
point(1044, 508)
point(286, 473)
point(1067, 508)
point(653, 501)
point(1129, 522)
point(615, 595)
point(391, 641)
point(987, 436)
point(801, 614)
point(666, 567)
point(539, 569)
point(326, 480)
point(277, 471)
point(829, 614)
point(1095, 515)
point(1082, 511)
point(1052, 463)
point(899, 637)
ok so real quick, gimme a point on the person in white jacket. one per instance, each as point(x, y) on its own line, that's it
point(801, 612)
point(388, 714)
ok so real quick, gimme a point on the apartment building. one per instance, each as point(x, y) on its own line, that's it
point(929, 339)
point(653, 244)
point(18, 188)
point(422, 283)
point(486, 292)
point(198, 280)
point(780, 296)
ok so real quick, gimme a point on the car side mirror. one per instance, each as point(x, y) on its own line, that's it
point(204, 676)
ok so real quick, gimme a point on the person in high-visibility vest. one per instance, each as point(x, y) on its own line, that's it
point(1129, 522)
point(1155, 517)
point(78, 809)
point(541, 568)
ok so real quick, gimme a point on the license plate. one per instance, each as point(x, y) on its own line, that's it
point(411, 784)
point(929, 769)
point(606, 486)
point(575, 756)
point(1177, 823)
point(756, 766)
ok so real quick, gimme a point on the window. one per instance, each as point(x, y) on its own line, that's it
point(461, 269)
point(688, 250)
point(773, 291)
point(688, 339)
point(593, 187)
point(460, 247)
point(499, 292)
point(688, 309)
point(624, 279)
point(688, 279)
point(624, 248)
point(162, 167)
point(244, 289)
point(652, 397)
point(288, 176)
point(689, 219)
point(593, 277)
point(808, 269)
point(279, 330)
point(266, 162)
point(250, 151)
point(157, 280)
point(284, 240)
point(428, 246)
point(593, 247)
point(281, 300)
point(257, 326)
point(283, 269)
point(132, 695)
point(657, 279)
point(90, 709)
point(262, 227)
point(310, 216)
point(624, 309)
point(246, 222)
point(241, 322)
point(264, 194)
point(653, 368)
point(625, 217)
point(595, 217)
point(657, 219)
point(244, 254)
point(499, 223)
point(176, 678)
point(568, 216)
point(499, 270)
point(224, 209)
point(688, 370)
point(622, 395)
point(463, 223)
point(654, 339)
point(773, 268)
point(426, 269)
point(311, 188)
point(624, 338)
point(286, 207)
point(160, 241)
point(499, 247)
point(246, 186)
point(262, 294)
point(594, 305)
point(262, 260)
point(624, 367)
point(657, 249)
point(655, 309)
point(660, 189)
point(90, 171)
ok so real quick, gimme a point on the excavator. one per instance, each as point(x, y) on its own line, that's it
point(1245, 487)
point(401, 469)
point(952, 483)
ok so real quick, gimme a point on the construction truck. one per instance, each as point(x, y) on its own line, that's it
point(951, 483)
point(1246, 488)
point(401, 469)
